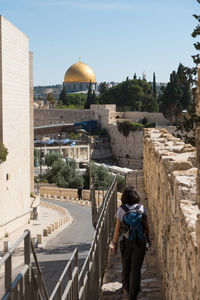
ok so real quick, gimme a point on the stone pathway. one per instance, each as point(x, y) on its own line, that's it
point(151, 282)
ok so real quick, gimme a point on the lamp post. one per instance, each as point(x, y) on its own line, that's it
point(90, 141)
point(60, 138)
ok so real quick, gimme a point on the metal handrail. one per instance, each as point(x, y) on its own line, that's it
point(85, 271)
point(26, 285)
point(58, 287)
point(86, 284)
point(80, 286)
point(39, 270)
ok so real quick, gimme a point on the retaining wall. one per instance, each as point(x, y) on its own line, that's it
point(127, 150)
point(170, 183)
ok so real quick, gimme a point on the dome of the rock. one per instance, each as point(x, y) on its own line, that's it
point(80, 72)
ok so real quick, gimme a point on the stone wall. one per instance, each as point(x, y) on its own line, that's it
point(61, 116)
point(15, 127)
point(170, 183)
point(135, 178)
point(152, 117)
point(127, 150)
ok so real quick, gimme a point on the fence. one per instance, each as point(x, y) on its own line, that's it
point(83, 285)
point(88, 283)
point(29, 284)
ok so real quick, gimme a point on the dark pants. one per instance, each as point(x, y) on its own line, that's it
point(132, 259)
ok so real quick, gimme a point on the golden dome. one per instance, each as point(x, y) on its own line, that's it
point(79, 72)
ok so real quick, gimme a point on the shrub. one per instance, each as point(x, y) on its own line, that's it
point(126, 127)
point(150, 125)
point(3, 153)
point(120, 183)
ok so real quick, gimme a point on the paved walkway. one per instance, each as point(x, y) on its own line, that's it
point(151, 282)
point(47, 215)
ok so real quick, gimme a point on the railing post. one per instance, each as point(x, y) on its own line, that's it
point(27, 261)
point(76, 287)
point(8, 273)
point(21, 289)
point(59, 293)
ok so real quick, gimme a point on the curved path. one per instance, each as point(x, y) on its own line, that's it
point(59, 249)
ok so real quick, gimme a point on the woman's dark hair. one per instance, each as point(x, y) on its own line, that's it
point(130, 196)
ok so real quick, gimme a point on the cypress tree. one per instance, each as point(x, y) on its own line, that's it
point(63, 97)
point(154, 86)
point(185, 85)
point(94, 98)
point(89, 96)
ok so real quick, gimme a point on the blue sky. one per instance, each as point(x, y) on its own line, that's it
point(116, 38)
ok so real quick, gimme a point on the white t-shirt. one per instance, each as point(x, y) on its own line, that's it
point(121, 212)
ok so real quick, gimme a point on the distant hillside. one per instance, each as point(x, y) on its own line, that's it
point(40, 91)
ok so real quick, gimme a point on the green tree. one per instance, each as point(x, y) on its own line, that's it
point(120, 183)
point(64, 174)
point(51, 158)
point(196, 34)
point(94, 98)
point(101, 177)
point(53, 173)
point(103, 86)
point(89, 96)
point(133, 94)
point(78, 100)
point(171, 105)
point(185, 86)
point(63, 97)
point(154, 86)
point(186, 128)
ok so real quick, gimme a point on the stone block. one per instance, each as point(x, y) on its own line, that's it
point(6, 245)
point(56, 225)
point(39, 238)
point(52, 227)
point(45, 232)
point(49, 229)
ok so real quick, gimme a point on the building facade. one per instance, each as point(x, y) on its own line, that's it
point(15, 127)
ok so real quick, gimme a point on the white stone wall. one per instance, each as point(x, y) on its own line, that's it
point(15, 124)
point(170, 184)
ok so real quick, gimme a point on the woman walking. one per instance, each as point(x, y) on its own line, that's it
point(133, 242)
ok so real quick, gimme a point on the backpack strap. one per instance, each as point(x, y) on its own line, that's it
point(137, 207)
point(124, 207)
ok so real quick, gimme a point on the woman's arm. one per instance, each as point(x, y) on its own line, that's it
point(116, 235)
